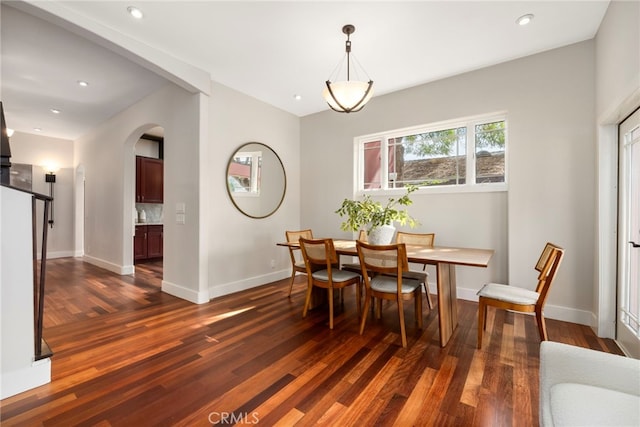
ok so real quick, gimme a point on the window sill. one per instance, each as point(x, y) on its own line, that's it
point(440, 189)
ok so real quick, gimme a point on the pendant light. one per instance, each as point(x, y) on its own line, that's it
point(348, 96)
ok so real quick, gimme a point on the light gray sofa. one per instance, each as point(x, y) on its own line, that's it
point(582, 387)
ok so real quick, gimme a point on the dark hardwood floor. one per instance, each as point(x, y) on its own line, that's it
point(127, 354)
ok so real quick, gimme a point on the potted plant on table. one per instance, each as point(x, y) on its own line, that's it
point(374, 217)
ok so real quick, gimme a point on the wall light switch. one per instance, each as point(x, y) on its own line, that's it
point(180, 208)
point(180, 218)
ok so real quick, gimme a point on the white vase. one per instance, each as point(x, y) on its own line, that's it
point(381, 235)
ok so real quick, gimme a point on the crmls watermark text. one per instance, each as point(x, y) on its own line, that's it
point(231, 418)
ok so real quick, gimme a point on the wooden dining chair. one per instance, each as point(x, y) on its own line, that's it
point(297, 262)
point(355, 266)
point(520, 299)
point(423, 239)
point(382, 271)
point(321, 261)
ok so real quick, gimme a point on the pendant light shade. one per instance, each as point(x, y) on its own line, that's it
point(348, 95)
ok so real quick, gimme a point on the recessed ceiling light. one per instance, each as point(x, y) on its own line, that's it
point(525, 19)
point(297, 97)
point(37, 129)
point(55, 111)
point(83, 83)
point(135, 12)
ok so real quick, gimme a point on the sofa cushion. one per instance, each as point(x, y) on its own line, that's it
point(585, 405)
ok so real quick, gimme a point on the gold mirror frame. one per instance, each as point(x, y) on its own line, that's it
point(256, 180)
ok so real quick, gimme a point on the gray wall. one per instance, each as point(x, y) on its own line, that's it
point(38, 150)
point(549, 99)
point(107, 155)
point(242, 250)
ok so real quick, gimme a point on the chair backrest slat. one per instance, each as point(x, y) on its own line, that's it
point(553, 257)
point(544, 256)
point(294, 237)
point(383, 259)
point(319, 252)
point(425, 239)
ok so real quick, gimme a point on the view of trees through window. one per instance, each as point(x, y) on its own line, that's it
point(438, 157)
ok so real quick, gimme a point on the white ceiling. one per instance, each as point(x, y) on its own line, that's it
point(268, 50)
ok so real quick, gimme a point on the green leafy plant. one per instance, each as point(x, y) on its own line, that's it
point(371, 214)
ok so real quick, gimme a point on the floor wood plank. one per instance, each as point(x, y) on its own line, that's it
point(127, 354)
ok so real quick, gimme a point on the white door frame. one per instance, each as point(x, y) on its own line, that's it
point(606, 265)
point(629, 143)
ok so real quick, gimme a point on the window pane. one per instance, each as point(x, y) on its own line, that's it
point(431, 158)
point(490, 139)
point(245, 173)
point(372, 162)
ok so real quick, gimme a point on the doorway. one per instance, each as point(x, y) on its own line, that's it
point(148, 238)
point(628, 311)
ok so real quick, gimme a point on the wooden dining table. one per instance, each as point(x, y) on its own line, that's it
point(445, 259)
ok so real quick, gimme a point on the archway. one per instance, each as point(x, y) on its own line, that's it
point(143, 215)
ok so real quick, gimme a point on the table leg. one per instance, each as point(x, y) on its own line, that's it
point(447, 301)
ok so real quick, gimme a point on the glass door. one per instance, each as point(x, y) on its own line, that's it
point(628, 319)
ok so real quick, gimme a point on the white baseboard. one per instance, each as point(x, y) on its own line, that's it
point(15, 382)
point(241, 285)
point(57, 254)
point(115, 268)
point(185, 293)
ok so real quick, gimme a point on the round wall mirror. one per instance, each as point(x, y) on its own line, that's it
point(256, 181)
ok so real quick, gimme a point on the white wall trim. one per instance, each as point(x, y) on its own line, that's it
point(15, 382)
point(606, 238)
point(59, 254)
point(185, 293)
point(118, 269)
point(607, 212)
point(252, 282)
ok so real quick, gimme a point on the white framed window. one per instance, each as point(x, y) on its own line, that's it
point(468, 154)
point(245, 171)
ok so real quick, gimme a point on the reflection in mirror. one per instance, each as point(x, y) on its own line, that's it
point(256, 180)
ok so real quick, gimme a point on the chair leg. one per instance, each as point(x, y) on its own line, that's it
point(542, 326)
point(293, 276)
point(358, 297)
point(307, 301)
point(482, 317)
point(330, 308)
point(426, 292)
point(485, 317)
point(403, 332)
point(418, 309)
point(367, 299)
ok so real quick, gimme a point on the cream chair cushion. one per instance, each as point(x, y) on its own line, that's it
point(337, 275)
point(508, 293)
point(389, 284)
